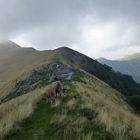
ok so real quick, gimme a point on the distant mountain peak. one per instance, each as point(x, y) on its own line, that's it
point(128, 65)
point(63, 48)
point(132, 56)
point(101, 59)
point(8, 44)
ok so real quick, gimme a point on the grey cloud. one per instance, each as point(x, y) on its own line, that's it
point(49, 23)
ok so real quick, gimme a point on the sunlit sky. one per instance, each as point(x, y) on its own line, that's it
point(97, 28)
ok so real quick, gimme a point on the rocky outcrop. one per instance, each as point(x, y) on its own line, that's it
point(21, 85)
point(60, 72)
point(51, 73)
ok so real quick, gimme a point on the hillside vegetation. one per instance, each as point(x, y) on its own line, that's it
point(128, 65)
point(90, 110)
point(123, 83)
point(14, 64)
point(93, 107)
point(18, 109)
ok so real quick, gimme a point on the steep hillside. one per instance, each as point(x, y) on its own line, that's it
point(128, 65)
point(89, 110)
point(124, 83)
point(86, 108)
point(16, 61)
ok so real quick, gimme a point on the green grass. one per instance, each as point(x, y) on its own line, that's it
point(134, 101)
point(35, 126)
point(46, 122)
point(39, 81)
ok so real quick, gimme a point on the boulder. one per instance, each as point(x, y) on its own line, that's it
point(60, 72)
point(54, 72)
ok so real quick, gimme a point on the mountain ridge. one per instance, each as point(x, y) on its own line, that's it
point(31, 59)
point(132, 56)
point(90, 106)
point(129, 65)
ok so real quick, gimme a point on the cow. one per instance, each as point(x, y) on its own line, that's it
point(55, 90)
point(51, 95)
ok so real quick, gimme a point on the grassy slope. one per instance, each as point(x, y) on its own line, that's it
point(16, 110)
point(16, 61)
point(91, 110)
point(42, 126)
point(123, 83)
point(95, 97)
point(58, 123)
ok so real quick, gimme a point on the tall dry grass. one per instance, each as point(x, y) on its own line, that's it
point(5, 89)
point(87, 136)
point(113, 111)
point(18, 109)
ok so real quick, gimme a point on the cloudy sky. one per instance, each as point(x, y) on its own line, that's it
point(97, 28)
